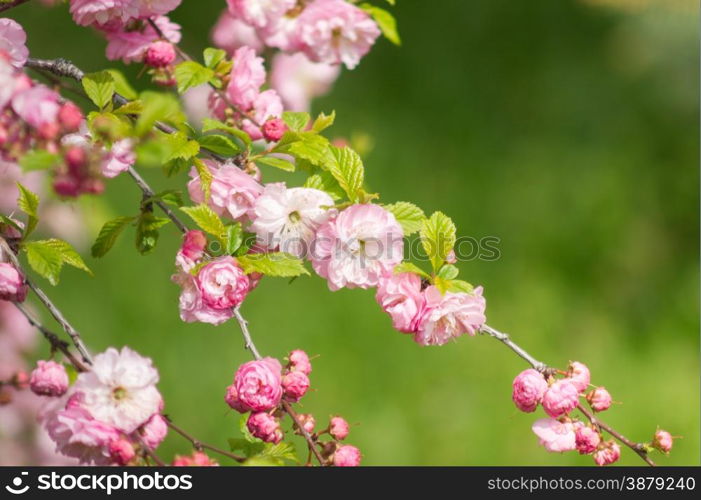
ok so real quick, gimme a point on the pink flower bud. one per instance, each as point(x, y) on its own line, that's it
point(197, 458)
point(307, 421)
point(12, 285)
point(75, 159)
point(20, 380)
point(121, 451)
point(529, 386)
point(295, 385)
point(586, 439)
point(599, 399)
point(274, 129)
point(299, 361)
point(608, 453)
point(232, 399)
point(49, 130)
point(663, 441)
point(159, 54)
point(49, 379)
point(339, 428)
point(191, 250)
point(70, 117)
point(265, 427)
point(560, 398)
point(154, 431)
point(579, 375)
point(258, 384)
point(66, 186)
point(346, 456)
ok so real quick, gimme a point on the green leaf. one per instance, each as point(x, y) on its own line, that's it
point(386, 22)
point(244, 429)
point(324, 181)
point(39, 159)
point(108, 126)
point(348, 171)
point(207, 220)
point(438, 238)
point(205, 175)
point(68, 254)
point(233, 238)
point(28, 202)
point(296, 120)
point(273, 161)
point(181, 146)
point(209, 124)
point(409, 216)
point(170, 196)
point(190, 74)
point(307, 146)
point(46, 260)
point(408, 267)
point(147, 231)
point(108, 235)
point(448, 272)
point(130, 108)
point(122, 85)
point(323, 121)
point(273, 264)
point(219, 144)
point(247, 448)
point(99, 87)
point(213, 56)
point(157, 107)
point(459, 286)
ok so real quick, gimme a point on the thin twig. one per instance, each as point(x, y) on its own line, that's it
point(506, 340)
point(243, 324)
point(310, 441)
point(148, 192)
point(8, 6)
point(199, 445)
point(148, 450)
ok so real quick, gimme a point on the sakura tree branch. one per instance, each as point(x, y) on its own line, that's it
point(311, 443)
point(638, 448)
point(506, 340)
point(243, 324)
point(199, 445)
point(148, 192)
point(9, 5)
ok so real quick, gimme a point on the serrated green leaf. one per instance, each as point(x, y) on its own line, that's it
point(207, 220)
point(28, 202)
point(409, 216)
point(323, 121)
point(348, 170)
point(448, 272)
point(233, 238)
point(247, 448)
point(68, 254)
point(157, 107)
point(170, 196)
point(108, 235)
point(99, 87)
point(408, 267)
point(437, 238)
point(296, 120)
point(147, 226)
point(209, 124)
point(219, 144)
point(205, 175)
point(261, 461)
point(306, 146)
point(38, 159)
point(46, 260)
point(280, 163)
point(386, 22)
point(273, 264)
point(181, 147)
point(190, 74)
point(213, 56)
point(326, 182)
point(107, 126)
point(122, 85)
point(130, 108)
point(459, 286)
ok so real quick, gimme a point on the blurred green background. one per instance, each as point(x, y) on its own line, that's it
point(568, 129)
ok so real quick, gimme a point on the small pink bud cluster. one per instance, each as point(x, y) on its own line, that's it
point(197, 459)
point(49, 379)
point(662, 441)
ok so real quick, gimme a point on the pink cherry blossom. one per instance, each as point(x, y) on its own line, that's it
point(299, 361)
point(151, 8)
point(288, 218)
point(192, 307)
point(608, 453)
point(298, 80)
point(121, 451)
point(308, 421)
point(102, 12)
point(554, 435)
point(131, 45)
point(120, 389)
point(400, 296)
point(599, 399)
point(663, 441)
point(339, 428)
point(223, 283)
point(119, 158)
point(560, 398)
point(450, 315)
point(586, 439)
point(295, 385)
point(335, 31)
point(358, 247)
point(233, 192)
point(154, 431)
point(246, 77)
point(579, 375)
point(346, 456)
point(49, 379)
point(259, 385)
point(197, 459)
point(265, 427)
point(232, 399)
point(37, 106)
point(12, 285)
point(266, 105)
point(230, 33)
point(192, 250)
point(281, 33)
point(529, 386)
point(12, 42)
point(259, 13)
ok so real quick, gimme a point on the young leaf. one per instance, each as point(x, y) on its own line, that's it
point(438, 238)
point(99, 87)
point(169, 196)
point(219, 144)
point(68, 254)
point(46, 260)
point(273, 264)
point(108, 235)
point(306, 146)
point(348, 171)
point(386, 22)
point(408, 267)
point(205, 175)
point(273, 161)
point(448, 272)
point(233, 238)
point(324, 181)
point(296, 120)
point(28, 203)
point(323, 121)
point(181, 147)
point(157, 107)
point(207, 220)
point(460, 286)
point(130, 108)
point(147, 231)
point(408, 215)
point(213, 56)
point(190, 74)
point(209, 124)
point(39, 159)
point(122, 85)
point(248, 448)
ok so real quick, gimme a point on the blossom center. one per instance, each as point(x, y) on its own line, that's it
point(119, 393)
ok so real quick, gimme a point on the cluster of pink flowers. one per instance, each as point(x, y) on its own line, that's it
point(559, 397)
point(108, 414)
point(196, 459)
